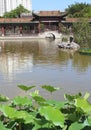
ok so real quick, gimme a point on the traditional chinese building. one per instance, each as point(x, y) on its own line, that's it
point(37, 22)
point(49, 20)
point(34, 24)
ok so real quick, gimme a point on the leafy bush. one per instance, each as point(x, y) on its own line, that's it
point(79, 10)
point(34, 112)
point(82, 31)
point(16, 12)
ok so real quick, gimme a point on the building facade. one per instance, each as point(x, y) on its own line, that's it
point(8, 5)
point(39, 22)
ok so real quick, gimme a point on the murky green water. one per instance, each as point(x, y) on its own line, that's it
point(42, 62)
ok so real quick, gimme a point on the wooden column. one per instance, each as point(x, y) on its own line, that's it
point(59, 26)
point(20, 30)
point(39, 27)
point(3, 31)
point(14, 29)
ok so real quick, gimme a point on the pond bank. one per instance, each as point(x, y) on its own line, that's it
point(19, 37)
point(48, 34)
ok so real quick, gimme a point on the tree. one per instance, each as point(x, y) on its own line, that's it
point(16, 12)
point(79, 10)
point(82, 32)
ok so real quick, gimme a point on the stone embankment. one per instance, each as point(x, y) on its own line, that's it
point(69, 45)
point(46, 34)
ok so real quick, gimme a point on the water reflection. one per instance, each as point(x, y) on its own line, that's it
point(82, 62)
point(41, 62)
point(13, 60)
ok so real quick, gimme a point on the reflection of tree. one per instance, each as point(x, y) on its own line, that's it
point(81, 62)
point(18, 47)
point(13, 60)
point(65, 55)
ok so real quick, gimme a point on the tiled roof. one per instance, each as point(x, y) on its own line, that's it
point(28, 20)
point(49, 13)
point(72, 20)
point(15, 20)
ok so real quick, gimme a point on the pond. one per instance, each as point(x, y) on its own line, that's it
point(41, 62)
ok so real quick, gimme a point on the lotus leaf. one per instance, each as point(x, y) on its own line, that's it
point(3, 98)
point(83, 104)
point(25, 88)
point(23, 101)
point(53, 115)
point(77, 126)
point(49, 88)
point(2, 127)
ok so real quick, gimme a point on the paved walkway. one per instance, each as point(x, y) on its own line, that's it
point(18, 37)
point(27, 37)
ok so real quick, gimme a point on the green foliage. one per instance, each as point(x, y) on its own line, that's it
point(35, 112)
point(82, 31)
point(72, 97)
point(2, 127)
point(79, 10)
point(25, 88)
point(49, 88)
point(38, 98)
point(53, 115)
point(83, 104)
point(85, 51)
point(16, 12)
point(76, 126)
point(3, 98)
point(22, 101)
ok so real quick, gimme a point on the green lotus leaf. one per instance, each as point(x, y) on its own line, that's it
point(41, 127)
point(72, 97)
point(26, 117)
point(49, 88)
point(25, 88)
point(39, 99)
point(85, 50)
point(2, 127)
point(89, 119)
point(83, 104)
point(8, 111)
point(56, 104)
point(53, 115)
point(3, 98)
point(22, 101)
point(12, 113)
point(40, 123)
point(86, 95)
point(77, 126)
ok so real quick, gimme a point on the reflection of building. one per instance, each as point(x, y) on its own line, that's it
point(8, 5)
point(10, 64)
